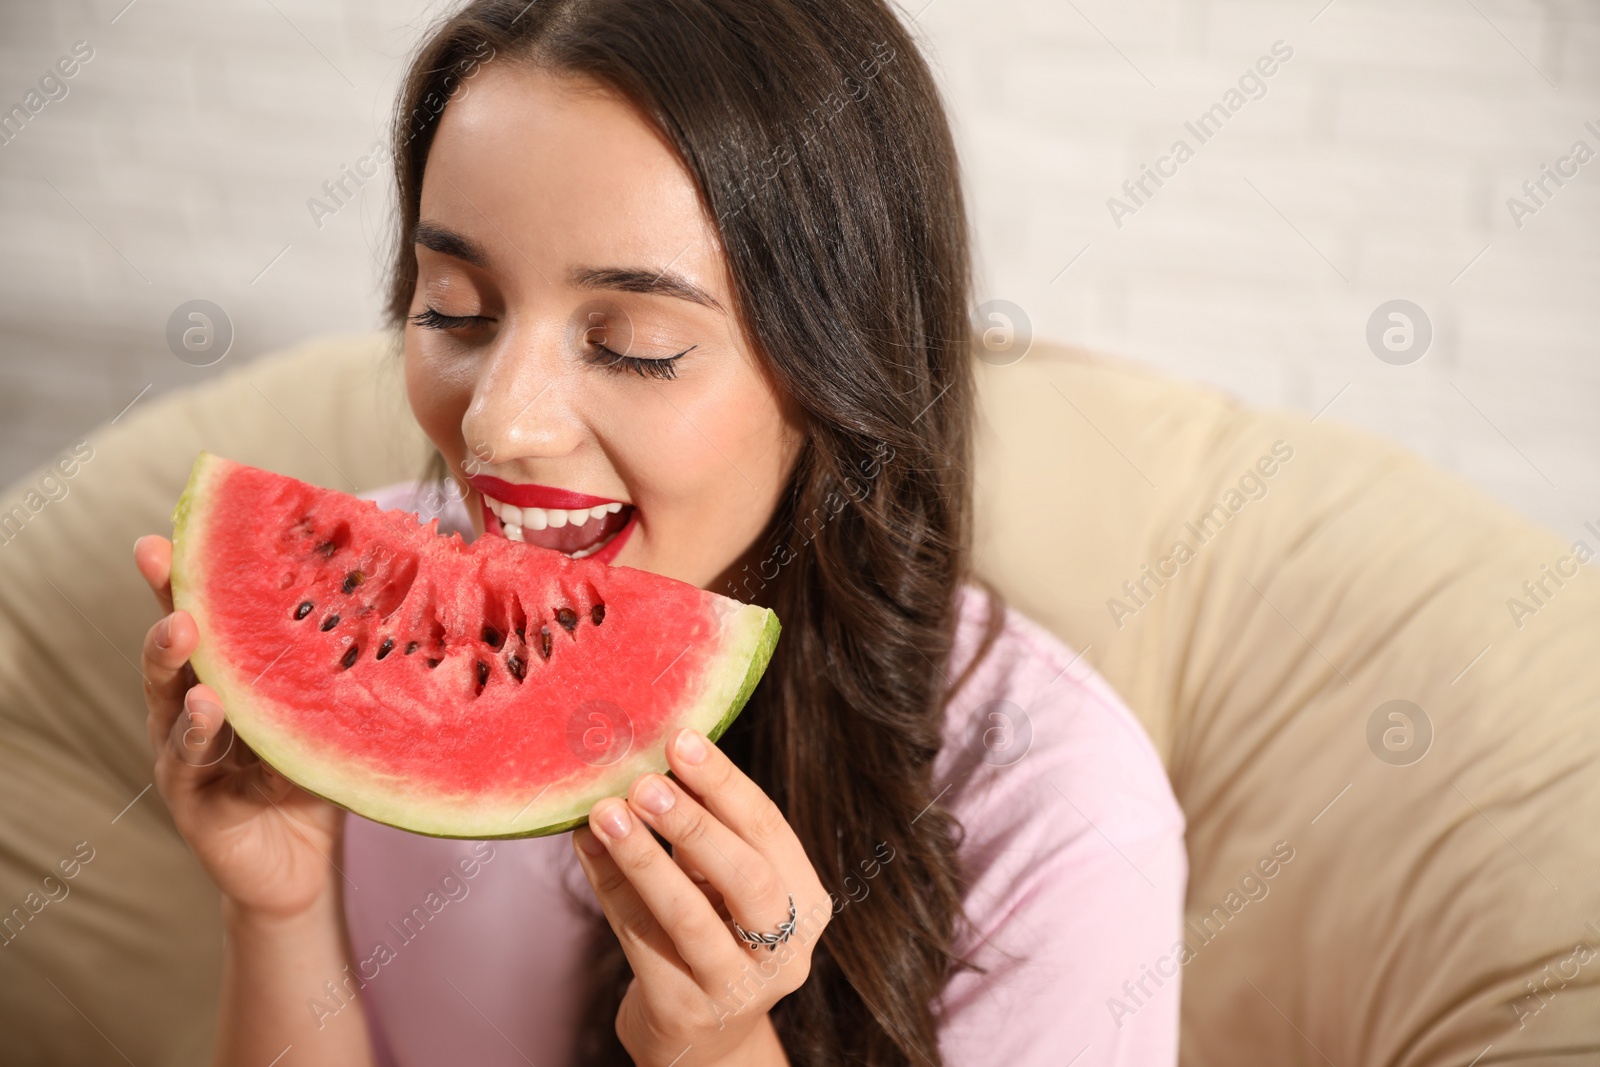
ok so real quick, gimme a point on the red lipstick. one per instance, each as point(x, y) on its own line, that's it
point(528, 495)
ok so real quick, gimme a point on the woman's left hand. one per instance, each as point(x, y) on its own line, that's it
point(700, 995)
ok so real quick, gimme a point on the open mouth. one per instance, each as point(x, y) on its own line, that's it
point(596, 531)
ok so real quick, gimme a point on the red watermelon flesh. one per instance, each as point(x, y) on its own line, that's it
point(482, 689)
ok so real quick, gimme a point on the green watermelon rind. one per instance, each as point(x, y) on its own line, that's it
point(749, 645)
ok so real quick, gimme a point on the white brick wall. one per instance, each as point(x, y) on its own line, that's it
point(1391, 141)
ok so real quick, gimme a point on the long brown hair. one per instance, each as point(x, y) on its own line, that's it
point(823, 155)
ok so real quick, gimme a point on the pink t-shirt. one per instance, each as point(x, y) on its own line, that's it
point(470, 951)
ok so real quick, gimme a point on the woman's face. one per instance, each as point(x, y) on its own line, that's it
point(577, 358)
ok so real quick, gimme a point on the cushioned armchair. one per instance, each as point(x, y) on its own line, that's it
point(1375, 691)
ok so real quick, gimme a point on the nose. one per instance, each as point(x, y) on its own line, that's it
point(522, 403)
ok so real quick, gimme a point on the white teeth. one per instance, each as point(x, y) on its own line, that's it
point(513, 530)
point(548, 518)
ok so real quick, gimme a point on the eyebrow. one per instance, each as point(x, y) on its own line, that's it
point(448, 242)
point(664, 282)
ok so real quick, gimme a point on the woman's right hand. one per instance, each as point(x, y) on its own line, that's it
point(269, 846)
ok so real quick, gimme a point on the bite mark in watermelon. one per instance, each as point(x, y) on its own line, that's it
point(480, 690)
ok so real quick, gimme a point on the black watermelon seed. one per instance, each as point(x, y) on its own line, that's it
point(597, 613)
point(329, 623)
point(327, 548)
point(522, 635)
point(350, 656)
point(515, 665)
point(412, 646)
point(386, 648)
point(492, 636)
point(432, 663)
point(544, 641)
point(353, 579)
point(303, 610)
point(483, 674)
point(567, 618)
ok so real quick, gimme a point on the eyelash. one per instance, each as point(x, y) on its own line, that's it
point(430, 319)
point(663, 368)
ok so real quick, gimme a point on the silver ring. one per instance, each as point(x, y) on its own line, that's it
point(772, 941)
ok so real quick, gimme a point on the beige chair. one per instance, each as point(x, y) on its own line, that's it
point(1426, 910)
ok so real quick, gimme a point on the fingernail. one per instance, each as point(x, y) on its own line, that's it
point(588, 842)
point(164, 632)
point(614, 820)
point(654, 796)
point(203, 716)
point(208, 708)
point(691, 746)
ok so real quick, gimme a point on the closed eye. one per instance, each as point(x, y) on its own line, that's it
point(663, 367)
point(429, 319)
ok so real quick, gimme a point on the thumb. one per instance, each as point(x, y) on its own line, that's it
point(200, 737)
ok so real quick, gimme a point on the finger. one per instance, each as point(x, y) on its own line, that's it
point(653, 896)
point(152, 554)
point(738, 803)
point(697, 876)
point(200, 737)
point(754, 892)
point(167, 648)
point(702, 883)
point(648, 947)
point(189, 758)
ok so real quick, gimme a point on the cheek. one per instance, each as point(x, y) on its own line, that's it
point(438, 396)
point(714, 463)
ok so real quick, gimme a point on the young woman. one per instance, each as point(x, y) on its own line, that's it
point(707, 260)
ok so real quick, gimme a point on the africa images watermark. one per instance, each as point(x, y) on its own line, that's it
point(1538, 592)
point(52, 88)
point(452, 888)
point(1399, 732)
point(782, 554)
point(753, 977)
point(1252, 888)
point(52, 487)
point(1252, 85)
point(1567, 969)
point(818, 119)
point(338, 191)
point(54, 889)
point(1142, 589)
point(1537, 191)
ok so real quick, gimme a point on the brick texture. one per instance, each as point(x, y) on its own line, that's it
point(1376, 165)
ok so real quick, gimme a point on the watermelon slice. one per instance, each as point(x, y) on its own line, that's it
point(481, 690)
